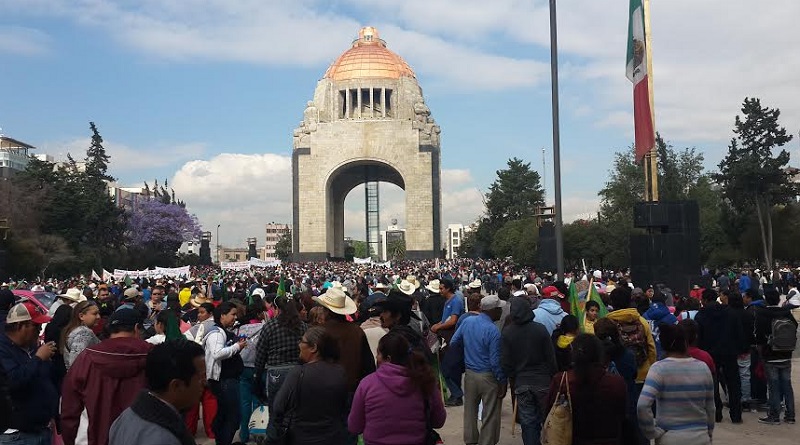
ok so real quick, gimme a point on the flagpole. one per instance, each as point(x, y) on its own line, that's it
point(556, 143)
point(652, 158)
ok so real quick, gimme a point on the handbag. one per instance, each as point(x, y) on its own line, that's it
point(258, 422)
point(431, 436)
point(280, 434)
point(557, 429)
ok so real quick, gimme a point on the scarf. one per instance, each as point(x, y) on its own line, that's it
point(150, 409)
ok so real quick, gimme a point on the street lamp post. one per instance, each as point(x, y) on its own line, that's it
point(218, 243)
point(556, 142)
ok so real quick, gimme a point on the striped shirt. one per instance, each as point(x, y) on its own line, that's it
point(684, 392)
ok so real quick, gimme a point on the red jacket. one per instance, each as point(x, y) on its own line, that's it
point(105, 379)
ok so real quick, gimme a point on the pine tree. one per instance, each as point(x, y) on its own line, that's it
point(752, 177)
point(96, 157)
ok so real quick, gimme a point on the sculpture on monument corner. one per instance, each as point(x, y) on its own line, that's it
point(428, 130)
point(307, 126)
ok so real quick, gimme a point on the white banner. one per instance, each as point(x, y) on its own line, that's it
point(107, 275)
point(234, 265)
point(257, 262)
point(366, 260)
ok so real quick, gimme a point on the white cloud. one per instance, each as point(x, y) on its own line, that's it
point(452, 177)
point(240, 192)
point(23, 41)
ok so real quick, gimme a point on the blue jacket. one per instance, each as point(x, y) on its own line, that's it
point(33, 393)
point(657, 314)
point(550, 314)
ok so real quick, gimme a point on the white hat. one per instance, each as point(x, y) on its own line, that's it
point(260, 292)
point(433, 286)
point(490, 302)
point(381, 285)
point(337, 301)
point(406, 287)
point(597, 275)
point(413, 280)
point(475, 284)
point(74, 294)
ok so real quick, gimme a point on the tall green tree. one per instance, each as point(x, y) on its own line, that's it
point(752, 175)
point(515, 193)
point(96, 158)
point(283, 248)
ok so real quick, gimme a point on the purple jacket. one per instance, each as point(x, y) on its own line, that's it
point(388, 410)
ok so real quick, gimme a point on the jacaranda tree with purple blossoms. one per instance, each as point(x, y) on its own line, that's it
point(156, 230)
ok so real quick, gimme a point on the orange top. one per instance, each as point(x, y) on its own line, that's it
point(368, 59)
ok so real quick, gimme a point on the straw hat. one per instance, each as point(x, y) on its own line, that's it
point(406, 287)
point(433, 286)
point(337, 301)
point(413, 280)
point(475, 284)
point(73, 294)
point(199, 299)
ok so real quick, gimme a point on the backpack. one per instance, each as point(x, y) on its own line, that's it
point(633, 336)
point(783, 337)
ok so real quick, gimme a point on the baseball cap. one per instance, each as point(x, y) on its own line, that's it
point(125, 317)
point(490, 302)
point(131, 293)
point(551, 291)
point(26, 311)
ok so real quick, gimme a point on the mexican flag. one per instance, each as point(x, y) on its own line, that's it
point(636, 72)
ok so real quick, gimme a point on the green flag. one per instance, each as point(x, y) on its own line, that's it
point(575, 306)
point(128, 281)
point(281, 288)
point(593, 295)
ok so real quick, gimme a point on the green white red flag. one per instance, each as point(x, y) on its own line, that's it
point(636, 71)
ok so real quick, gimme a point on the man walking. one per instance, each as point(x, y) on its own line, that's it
point(776, 337)
point(720, 334)
point(485, 380)
point(529, 361)
point(105, 378)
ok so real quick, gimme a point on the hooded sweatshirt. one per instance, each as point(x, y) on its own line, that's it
point(105, 379)
point(527, 354)
point(657, 314)
point(389, 410)
point(629, 316)
point(549, 313)
point(719, 331)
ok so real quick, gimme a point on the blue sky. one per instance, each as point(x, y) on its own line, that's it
point(206, 92)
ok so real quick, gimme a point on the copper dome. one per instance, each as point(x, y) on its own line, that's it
point(368, 59)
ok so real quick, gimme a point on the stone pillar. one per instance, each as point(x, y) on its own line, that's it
point(371, 102)
point(358, 95)
point(383, 102)
point(347, 104)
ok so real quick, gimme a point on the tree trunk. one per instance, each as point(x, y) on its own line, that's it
point(763, 232)
point(768, 212)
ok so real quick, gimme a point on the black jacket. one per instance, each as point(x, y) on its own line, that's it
point(763, 329)
point(5, 402)
point(719, 331)
point(527, 353)
point(746, 319)
point(33, 394)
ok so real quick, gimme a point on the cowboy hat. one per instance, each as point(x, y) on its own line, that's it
point(199, 299)
point(433, 286)
point(73, 294)
point(475, 284)
point(336, 301)
point(406, 287)
point(413, 280)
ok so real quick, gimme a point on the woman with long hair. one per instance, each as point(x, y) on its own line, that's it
point(277, 350)
point(683, 390)
point(598, 398)
point(167, 327)
point(78, 334)
point(310, 404)
point(52, 333)
point(401, 400)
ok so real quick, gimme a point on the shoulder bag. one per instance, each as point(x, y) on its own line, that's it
point(557, 429)
point(280, 434)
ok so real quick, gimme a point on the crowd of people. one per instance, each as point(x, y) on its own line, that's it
point(338, 353)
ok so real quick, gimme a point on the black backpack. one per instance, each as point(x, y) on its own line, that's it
point(783, 336)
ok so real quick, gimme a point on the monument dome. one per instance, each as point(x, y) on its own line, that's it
point(368, 58)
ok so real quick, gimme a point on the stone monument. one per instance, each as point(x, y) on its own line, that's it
point(368, 121)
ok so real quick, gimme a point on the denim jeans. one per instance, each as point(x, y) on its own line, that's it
point(44, 437)
point(779, 378)
point(744, 375)
point(247, 401)
point(529, 413)
point(228, 410)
